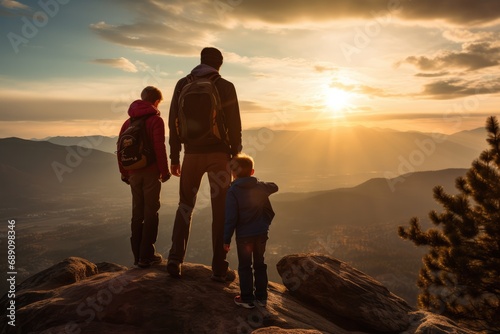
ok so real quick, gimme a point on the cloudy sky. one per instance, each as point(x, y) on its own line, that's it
point(72, 67)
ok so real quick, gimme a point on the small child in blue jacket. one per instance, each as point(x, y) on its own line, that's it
point(249, 212)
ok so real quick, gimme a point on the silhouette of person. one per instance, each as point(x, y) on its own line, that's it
point(211, 158)
point(145, 182)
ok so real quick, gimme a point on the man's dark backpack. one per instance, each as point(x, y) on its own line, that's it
point(134, 148)
point(200, 119)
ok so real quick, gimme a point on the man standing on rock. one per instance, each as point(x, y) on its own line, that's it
point(205, 117)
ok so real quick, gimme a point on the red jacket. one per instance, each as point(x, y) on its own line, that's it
point(155, 128)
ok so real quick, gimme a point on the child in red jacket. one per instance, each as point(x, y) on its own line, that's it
point(145, 182)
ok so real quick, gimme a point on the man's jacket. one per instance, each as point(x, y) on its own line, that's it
point(231, 109)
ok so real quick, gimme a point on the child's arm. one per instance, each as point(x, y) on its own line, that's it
point(271, 187)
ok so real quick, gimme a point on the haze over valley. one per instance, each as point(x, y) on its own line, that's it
point(343, 192)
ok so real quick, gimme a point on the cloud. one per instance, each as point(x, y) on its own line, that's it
point(431, 75)
point(410, 116)
point(362, 89)
point(286, 11)
point(453, 11)
point(11, 4)
point(252, 107)
point(464, 35)
point(120, 63)
point(48, 110)
point(324, 68)
point(456, 88)
point(179, 28)
point(182, 28)
point(473, 56)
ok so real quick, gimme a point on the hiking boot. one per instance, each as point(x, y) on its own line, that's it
point(146, 263)
point(238, 301)
point(228, 277)
point(216, 278)
point(174, 268)
point(261, 302)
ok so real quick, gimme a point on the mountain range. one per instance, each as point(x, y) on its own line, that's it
point(342, 193)
point(303, 161)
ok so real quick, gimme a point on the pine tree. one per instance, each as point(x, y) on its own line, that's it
point(460, 275)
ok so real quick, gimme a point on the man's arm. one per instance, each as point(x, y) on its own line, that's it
point(233, 119)
point(160, 148)
point(174, 140)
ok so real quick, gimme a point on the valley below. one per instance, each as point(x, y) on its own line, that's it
point(345, 201)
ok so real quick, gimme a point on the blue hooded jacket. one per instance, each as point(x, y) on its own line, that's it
point(248, 209)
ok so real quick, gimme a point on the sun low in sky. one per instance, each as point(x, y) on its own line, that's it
point(73, 67)
point(338, 101)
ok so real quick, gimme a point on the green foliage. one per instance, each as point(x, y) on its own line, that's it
point(460, 276)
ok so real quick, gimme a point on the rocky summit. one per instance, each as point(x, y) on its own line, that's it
point(320, 295)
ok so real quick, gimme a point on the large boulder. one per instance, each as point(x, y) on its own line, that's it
point(75, 297)
point(68, 271)
point(277, 330)
point(423, 322)
point(342, 291)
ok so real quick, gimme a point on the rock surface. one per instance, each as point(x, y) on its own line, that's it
point(343, 291)
point(425, 322)
point(77, 296)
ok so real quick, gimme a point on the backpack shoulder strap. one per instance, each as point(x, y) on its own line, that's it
point(214, 77)
point(183, 82)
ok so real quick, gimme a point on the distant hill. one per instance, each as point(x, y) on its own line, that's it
point(71, 201)
point(374, 202)
point(102, 143)
point(36, 170)
point(303, 161)
point(349, 156)
point(475, 138)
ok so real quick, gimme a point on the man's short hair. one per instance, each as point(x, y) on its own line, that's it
point(151, 94)
point(211, 57)
point(242, 165)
